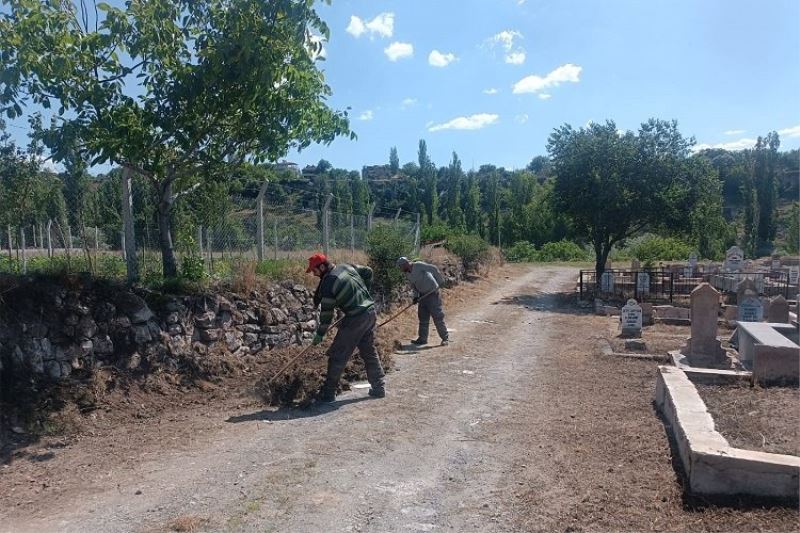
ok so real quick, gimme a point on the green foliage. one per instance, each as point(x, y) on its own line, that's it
point(435, 232)
point(216, 83)
point(471, 249)
point(193, 268)
point(651, 248)
point(280, 269)
point(385, 244)
point(524, 251)
point(521, 252)
point(793, 229)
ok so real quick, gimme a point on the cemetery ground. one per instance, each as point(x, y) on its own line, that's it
point(526, 422)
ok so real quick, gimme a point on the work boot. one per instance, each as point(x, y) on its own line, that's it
point(377, 393)
point(419, 342)
point(324, 396)
point(445, 342)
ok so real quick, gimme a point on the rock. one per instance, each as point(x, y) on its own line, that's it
point(134, 307)
point(86, 348)
point(250, 338)
point(103, 345)
point(86, 328)
point(278, 316)
point(225, 305)
point(155, 329)
point(71, 319)
point(250, 328)
point(53, 369)
point(141, 334)
point(206, 320)
point(134, 361)
point(175, 329)
point(233, 341)
point(105, 312)
point(209, 335)
point(121, 322)
point(38, 330)
point(172, 318)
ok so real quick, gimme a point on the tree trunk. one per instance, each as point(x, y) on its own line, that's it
point(168, 263)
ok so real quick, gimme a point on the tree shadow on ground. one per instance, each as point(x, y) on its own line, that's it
point(554, 302)
point(282, 414)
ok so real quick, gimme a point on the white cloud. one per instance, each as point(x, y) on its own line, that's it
point(734, 132)
point(382, 25)
point(366, 115)
point(544, 96)
point(491, 90)
point(740, 144)
point(408, 102)
point(521, 119)
point(790, 132)
point(439, 59)
point(508, 41)
point(535, 84)
point(356, 27)
point(472, 122)
point(515, 58)
point(399, 50)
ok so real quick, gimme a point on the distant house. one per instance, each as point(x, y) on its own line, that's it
point(288, 166)
point(310, 171)
point(378, 172)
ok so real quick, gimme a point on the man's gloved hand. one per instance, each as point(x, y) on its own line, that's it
point(317, 339)
point(415, 300)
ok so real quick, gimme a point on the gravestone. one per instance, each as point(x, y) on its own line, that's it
point(693, 261)
point(794, 274)
point(733, 259)
point(745, 286)
point(748, 265)
point(631, 318)
point(635, 265)
point(778, 310)
point(751, 310)
point(643, 283)
point(688, 272)
point(776, 263)
point(607, 282)
point(703, 344)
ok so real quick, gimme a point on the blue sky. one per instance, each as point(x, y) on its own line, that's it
point(490, 79)
point(728, 71)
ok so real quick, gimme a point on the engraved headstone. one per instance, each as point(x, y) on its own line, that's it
point(751, 310)
point(734, 258)
point(693, 261)
point(778, 310)
point(704, 312)
point(631, 318)
point(643, 283)
point(794, 274)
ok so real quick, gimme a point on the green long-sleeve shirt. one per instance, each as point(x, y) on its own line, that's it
point(345, 287)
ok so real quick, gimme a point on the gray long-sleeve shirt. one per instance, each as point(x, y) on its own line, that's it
point(424, 277)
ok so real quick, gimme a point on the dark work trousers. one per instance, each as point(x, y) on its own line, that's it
point(354, 332)
point(431, 306)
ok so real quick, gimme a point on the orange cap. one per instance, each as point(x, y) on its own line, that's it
point(315, 261)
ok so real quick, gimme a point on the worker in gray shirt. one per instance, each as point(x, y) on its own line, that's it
point(425, 280)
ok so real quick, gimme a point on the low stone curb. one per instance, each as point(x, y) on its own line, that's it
point(712, 466)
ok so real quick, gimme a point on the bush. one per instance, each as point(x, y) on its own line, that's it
point(193, 268)
point(384, 245)
point(562, 251)
point(436, 232)
point(521, 252)
point(651, 248)
point(471, 249)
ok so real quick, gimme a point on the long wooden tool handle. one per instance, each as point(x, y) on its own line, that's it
point(298, 356)
point(406, 308)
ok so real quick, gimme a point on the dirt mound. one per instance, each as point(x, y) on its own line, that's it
point(298, 385)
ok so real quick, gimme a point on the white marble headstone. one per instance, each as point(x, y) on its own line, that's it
point(631, 318)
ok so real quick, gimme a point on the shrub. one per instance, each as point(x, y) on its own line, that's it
point(651, 248)
point(193, 268)
point(384, 245)
point(521, 252)
point(561, 251)
point(471, 249)
point(436, 232)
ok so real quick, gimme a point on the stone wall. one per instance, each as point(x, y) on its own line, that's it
point(53, 331)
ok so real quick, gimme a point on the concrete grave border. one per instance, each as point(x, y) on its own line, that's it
point(712, 466)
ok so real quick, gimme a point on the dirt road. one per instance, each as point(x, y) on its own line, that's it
point(516, 426)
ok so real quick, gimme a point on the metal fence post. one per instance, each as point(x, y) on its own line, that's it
point(352, 238)
point(275, 232)
point(260, 221)
point(580, 284)
point(22, 247)
point(326, 225)
point(50, 239)
point(200, 240)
